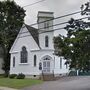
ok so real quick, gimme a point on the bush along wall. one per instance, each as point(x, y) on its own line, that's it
point(20, 76)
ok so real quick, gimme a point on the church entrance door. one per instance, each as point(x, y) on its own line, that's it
point(46, 66)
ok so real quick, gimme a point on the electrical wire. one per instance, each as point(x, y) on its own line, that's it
point(62, 23)
point(33, 3)
point(52, 29)
point(56, 18)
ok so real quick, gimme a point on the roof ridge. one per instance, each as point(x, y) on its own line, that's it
point(31, 27)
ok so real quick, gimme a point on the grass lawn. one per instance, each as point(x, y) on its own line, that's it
point(18, 83)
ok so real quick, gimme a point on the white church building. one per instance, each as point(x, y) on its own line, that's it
point(33, 50)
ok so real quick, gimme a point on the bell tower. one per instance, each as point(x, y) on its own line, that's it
point(45, 26)
point(45, 20)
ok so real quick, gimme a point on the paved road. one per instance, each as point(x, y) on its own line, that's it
point(65, 83)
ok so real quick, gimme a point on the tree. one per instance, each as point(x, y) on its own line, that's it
point(11, 19)
point(76, 46)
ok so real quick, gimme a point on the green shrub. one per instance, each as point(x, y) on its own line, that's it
point(12, 76)
point(2, 75)
point(20, 76)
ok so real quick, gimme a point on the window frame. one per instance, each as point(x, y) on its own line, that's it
point(46, 25)
point(35, 60)
point(14, 62)
point(60, 63)
point(23, 55)
point(46, 41)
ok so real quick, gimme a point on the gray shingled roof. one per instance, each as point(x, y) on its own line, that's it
point(34, 33)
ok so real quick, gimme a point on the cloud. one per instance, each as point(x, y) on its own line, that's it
point(59, 7)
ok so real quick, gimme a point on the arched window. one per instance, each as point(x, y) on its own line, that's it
point(13, 61)
point(46, 41)
point(35, 60)
point(24, 55)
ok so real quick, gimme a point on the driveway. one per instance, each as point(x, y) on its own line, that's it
point(65, 83)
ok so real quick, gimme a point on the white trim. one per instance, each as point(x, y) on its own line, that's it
point(45, 55)
point(42, 50)
point(18, 36)
point(23, 63)
point(14, 52)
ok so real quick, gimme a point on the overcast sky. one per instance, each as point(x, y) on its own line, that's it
point(59, 7)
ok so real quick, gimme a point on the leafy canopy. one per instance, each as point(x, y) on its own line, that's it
point(11, 19)
point(76, 46)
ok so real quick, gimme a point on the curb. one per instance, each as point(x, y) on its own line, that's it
point(6, 88)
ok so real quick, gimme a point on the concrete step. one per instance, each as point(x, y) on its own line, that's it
point(47, 77)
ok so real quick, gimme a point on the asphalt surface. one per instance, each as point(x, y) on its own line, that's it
point(65, 83)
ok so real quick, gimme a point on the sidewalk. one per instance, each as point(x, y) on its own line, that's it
point(6, 88)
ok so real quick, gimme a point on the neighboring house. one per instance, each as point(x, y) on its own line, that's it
point(1, 60)
point(33, 50)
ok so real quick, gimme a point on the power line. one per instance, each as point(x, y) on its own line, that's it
point(41, 32)
point(63, 23)
point(56, 18)
point(52, 18)
point(54, 29)
point(61, 27)
point(33, 3)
